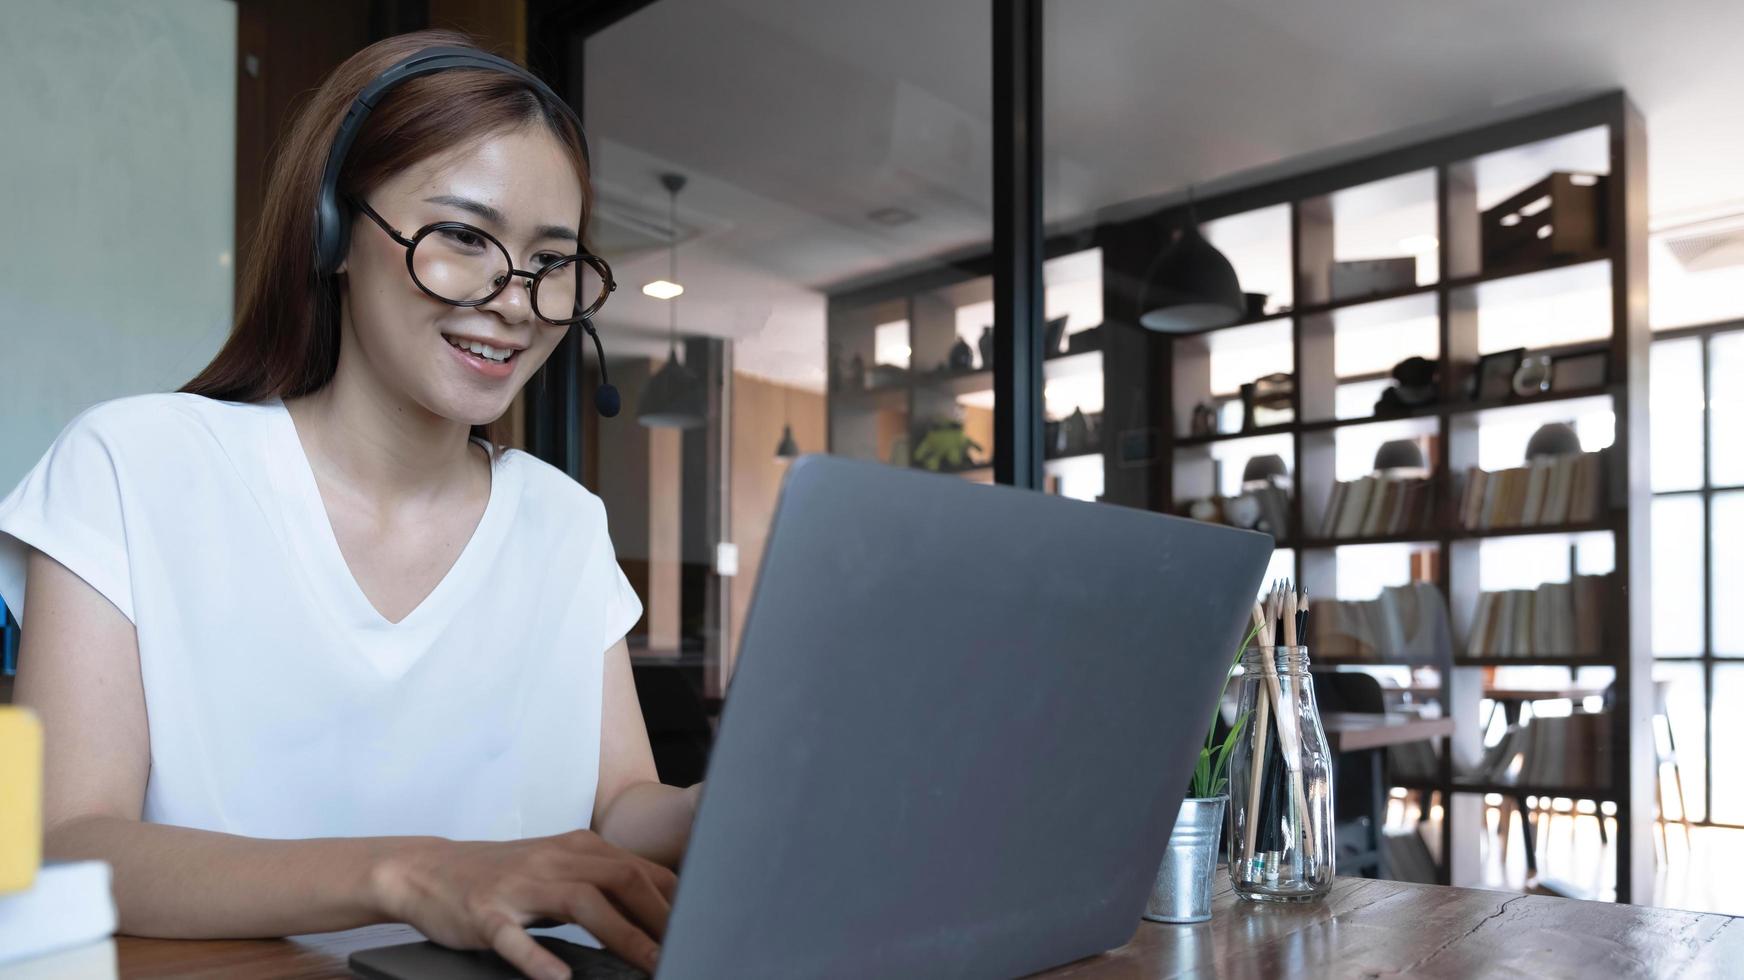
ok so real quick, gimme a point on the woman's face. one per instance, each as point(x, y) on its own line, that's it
point(519, 186)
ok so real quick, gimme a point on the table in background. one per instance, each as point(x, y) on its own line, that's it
point(1362, 738)
point(1364, 928)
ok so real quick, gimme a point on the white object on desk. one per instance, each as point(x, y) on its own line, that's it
point(70, 905)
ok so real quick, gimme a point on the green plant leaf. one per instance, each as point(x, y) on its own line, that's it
point(1208, 779)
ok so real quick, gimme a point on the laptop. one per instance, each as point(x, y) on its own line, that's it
point(958, 732)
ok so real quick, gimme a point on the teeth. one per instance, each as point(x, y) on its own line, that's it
point(486, 351)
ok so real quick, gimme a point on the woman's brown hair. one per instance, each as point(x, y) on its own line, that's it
point(286, 339)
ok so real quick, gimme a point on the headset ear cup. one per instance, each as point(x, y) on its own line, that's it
point(330, 237)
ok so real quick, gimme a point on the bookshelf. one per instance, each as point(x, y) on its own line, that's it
point(1458, 309)
point(1140, 389)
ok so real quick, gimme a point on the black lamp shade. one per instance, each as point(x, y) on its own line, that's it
point(1268, 467)
point(1399, 454)
point(1193, 288)
point(1553, 439)
point(788, 448)
point(673, 398)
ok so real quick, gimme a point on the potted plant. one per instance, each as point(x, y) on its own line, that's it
point(1182, 892)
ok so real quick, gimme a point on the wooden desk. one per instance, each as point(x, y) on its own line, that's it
point(1350, 731)
point(1365, 928)
point(1359, 739)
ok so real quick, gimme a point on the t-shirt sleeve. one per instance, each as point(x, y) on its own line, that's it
point(623, 608)
point(69, 507)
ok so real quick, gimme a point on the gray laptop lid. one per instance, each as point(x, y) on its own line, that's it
point(959, 731)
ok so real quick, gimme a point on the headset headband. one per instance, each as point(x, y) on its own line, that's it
point(331, 227)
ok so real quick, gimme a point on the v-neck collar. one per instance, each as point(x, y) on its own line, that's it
point(392, 647)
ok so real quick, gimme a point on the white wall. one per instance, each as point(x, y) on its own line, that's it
point(116, 199)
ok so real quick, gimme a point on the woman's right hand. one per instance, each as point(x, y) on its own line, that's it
point(482, 895)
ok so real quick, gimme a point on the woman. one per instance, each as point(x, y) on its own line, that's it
point(310, 655)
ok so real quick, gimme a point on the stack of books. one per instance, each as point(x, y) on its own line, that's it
point(1404, 624)
point(1549, 491)
point(1557, 619)
point(1377, 505)
point(1573, 751)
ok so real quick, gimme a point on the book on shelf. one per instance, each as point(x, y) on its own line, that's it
point(1405, 624)
point(1547, 492)
point(1376, 505)
point(1571, 751)
point(1557, 619)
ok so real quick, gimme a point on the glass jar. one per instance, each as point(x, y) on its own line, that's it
point(1280, 782)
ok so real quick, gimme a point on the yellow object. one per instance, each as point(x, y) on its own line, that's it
point(20, 798)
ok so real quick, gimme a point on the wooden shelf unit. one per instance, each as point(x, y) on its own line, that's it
point(1455, 421)
point(1149, 455)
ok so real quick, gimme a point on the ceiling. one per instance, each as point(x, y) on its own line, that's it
point(797, 119)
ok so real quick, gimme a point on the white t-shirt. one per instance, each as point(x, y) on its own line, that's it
point(281, 704)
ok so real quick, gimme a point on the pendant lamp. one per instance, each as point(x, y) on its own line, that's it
point(1192, 286)
point(674, 397)
point(787, 448)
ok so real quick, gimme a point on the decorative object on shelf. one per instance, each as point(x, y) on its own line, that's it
point(1256, 304)
point(856, 380)
point(1560, 215)
point(1533, 375)
point(1269, 468)
point(946, 448)
point(1204, 421)
point(1553, 439)
point(1264, 504)
point(1242, 511)
point(1578, 372)
point(1207, 509)
point(985, 345)
point(1191, 286)
point(1268, 401)
point(1055, 336)
point(674, 397)
point(885, 376)
point(1365, 277)
point(1182, 890)
point(1416, 384)
point(962, 356)
point(1078, 433)
point(1399, 454)
point(1494, 378)
point(1281, 845)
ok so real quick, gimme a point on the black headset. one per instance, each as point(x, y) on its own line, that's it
point(332, 224)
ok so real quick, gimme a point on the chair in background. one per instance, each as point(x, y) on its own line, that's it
point(1665, 754)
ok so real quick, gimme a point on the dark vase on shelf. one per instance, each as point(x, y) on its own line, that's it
point(1077, 432)
point(986, 345)
point(962, 358)
point(856, 374)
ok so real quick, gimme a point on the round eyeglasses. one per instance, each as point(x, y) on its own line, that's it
point(466, 266)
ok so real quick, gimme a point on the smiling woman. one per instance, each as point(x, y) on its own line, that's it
point(304, 640)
